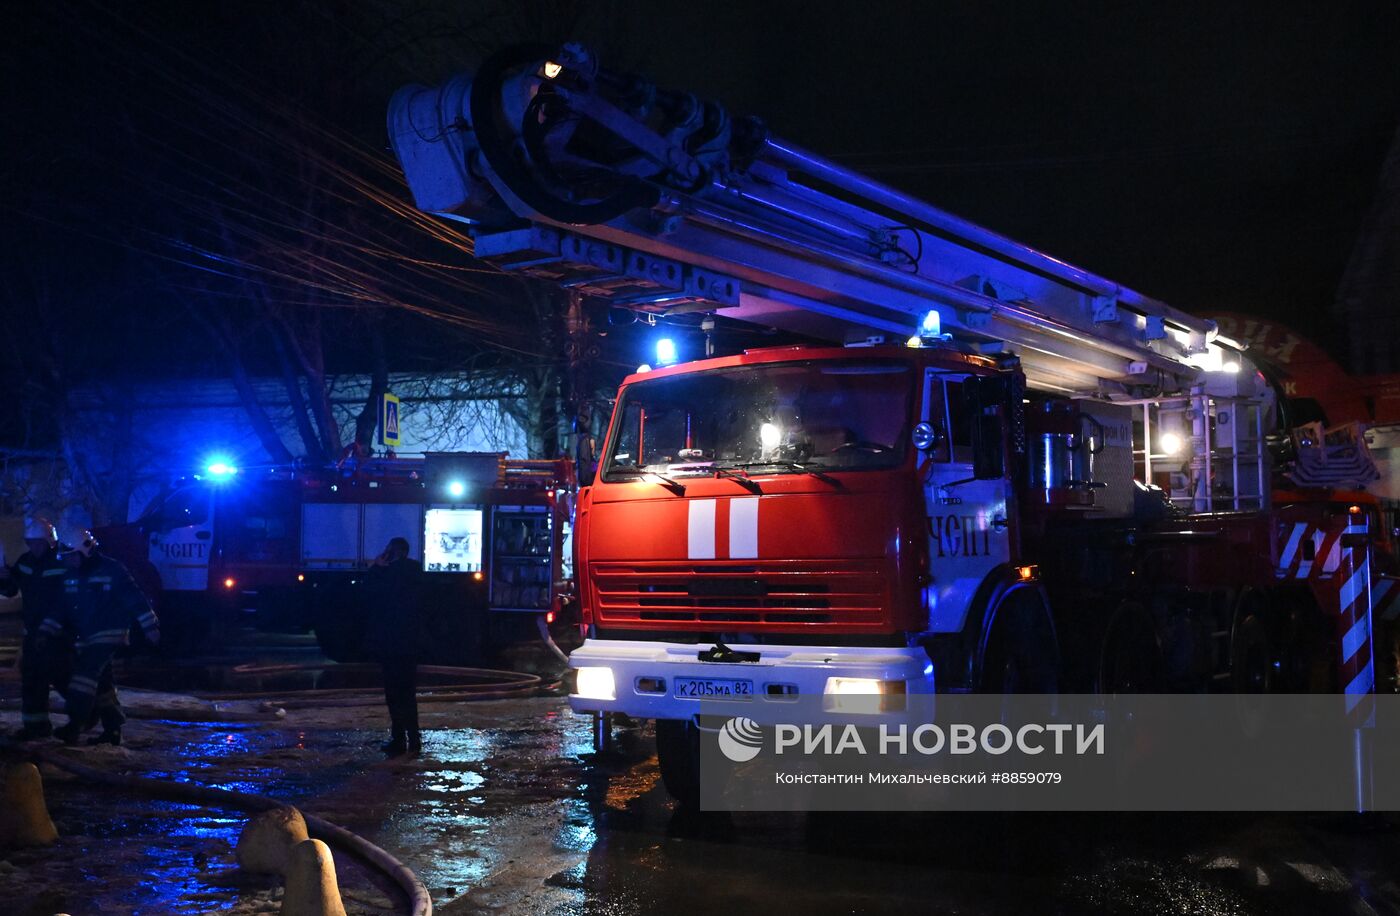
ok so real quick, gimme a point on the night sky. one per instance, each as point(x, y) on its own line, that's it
point(1220, 160)
point(1218, 156)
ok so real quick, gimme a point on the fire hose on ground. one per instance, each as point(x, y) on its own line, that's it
point(473, 684)
point(420, 903)
point(489, 684)
point(496, 685)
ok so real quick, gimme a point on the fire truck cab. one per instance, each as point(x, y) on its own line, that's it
point(777, 502)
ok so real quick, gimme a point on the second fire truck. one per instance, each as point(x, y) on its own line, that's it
point(282, 548)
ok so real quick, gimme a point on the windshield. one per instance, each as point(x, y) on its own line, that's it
point(845, 415)
point(188, 505)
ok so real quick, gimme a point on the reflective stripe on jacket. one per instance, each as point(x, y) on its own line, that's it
point(40, 584)
point(101, 601)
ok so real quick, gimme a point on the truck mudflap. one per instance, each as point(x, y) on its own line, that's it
point(659, 680)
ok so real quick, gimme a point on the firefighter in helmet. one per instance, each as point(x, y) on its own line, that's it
point(100, 602)
point(38, 578)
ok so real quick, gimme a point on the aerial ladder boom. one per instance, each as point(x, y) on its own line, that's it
point(662, 202)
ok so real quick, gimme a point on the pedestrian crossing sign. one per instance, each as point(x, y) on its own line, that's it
point(389, 421)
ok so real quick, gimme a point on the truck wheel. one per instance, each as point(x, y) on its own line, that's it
point(1256, 665)
point(1303, 643)
point(1130, 661)
point(1021, 655)
point(678, 752)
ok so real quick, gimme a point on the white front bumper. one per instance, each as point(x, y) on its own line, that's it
point(780, 672)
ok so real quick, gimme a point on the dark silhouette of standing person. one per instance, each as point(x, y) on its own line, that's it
point(393, 596)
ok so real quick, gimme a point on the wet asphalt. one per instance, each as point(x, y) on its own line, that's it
point(510, 811)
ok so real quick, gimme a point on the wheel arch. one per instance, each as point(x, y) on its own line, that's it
point(958, 656)
point(998, 590)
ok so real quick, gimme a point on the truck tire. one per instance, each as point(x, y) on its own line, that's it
point(1129, 661)
point(678, 753)
point(1305, 644)
point(1257, 664)
point(1020, 653)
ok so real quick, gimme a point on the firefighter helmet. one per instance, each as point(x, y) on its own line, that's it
point(38, 528)
point(77, 538)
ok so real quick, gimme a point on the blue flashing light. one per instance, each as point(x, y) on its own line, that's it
point(456, 489)
point(932, 324)
point(666, 352)
point(220, 469)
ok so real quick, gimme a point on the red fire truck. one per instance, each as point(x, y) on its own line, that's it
point(282, 548)
point(992, 471)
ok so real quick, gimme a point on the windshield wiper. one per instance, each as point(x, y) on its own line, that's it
point(738, 477)
point(791, 466)
point(675, 486)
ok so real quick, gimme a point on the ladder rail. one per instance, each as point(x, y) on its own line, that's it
point(794, 240)
point(793, 157)
point(1215, 448)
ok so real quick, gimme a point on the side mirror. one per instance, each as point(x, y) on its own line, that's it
point(987, 447)
point(586, 459)
point(587, 453)
point(985, 397)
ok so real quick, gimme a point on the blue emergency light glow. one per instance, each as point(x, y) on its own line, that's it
point(220, 469)
point(932, 325)
point(456, 489)
point(666, 353)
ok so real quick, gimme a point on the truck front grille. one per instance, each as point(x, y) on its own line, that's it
point(850, 594)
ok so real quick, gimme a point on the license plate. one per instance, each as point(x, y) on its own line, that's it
point(699, 688)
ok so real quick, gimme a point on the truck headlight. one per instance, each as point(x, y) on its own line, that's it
point(863, 694)
point(595, 683)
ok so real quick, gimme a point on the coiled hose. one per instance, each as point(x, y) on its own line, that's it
point(420, 903)
point(493, 684)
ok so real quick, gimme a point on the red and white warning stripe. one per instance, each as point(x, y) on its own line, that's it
point(1309, 551)
point(1358, 669)
point(701, 540)
point(1319, 555)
